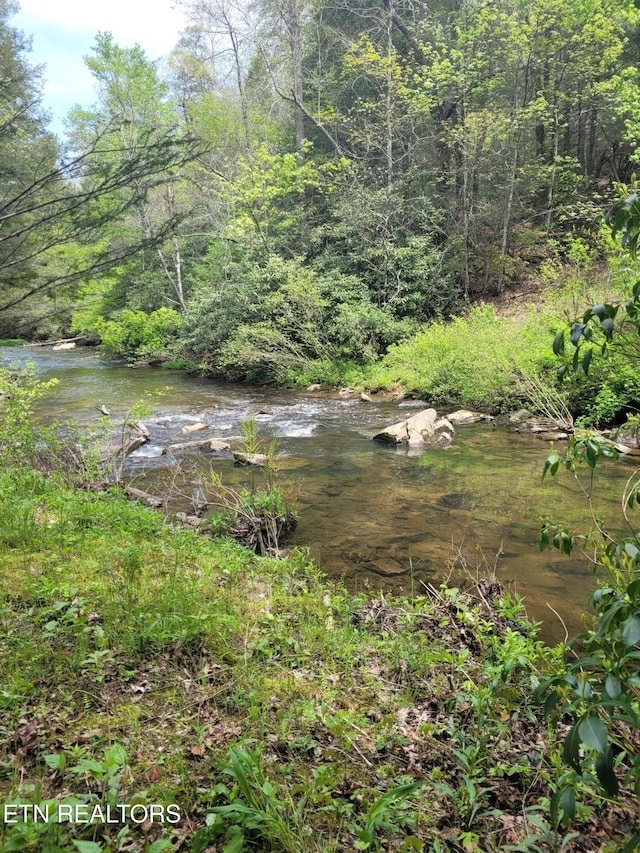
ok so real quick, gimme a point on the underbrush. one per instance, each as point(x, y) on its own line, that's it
point(476, 360)
point(143, 664)
point(489, 360)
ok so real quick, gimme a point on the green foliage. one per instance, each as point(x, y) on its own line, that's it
point(262, 516)
point(599, 689)
point(474, 360)
point(277, 320)
point(599, 686)
point(116, 624)
point(135, 335)
point(257, 811)
point(19, 392)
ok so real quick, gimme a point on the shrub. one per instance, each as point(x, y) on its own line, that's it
point(474, 360)
point(134, 335)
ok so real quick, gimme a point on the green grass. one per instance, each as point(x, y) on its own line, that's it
point(142, 663)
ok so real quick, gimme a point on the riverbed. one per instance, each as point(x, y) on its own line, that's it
point(379, 517)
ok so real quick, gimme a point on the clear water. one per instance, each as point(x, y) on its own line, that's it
point(376, 516)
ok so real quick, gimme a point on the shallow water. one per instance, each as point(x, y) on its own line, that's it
point(388, 518)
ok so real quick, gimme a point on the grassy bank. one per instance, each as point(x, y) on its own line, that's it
point(142, 664)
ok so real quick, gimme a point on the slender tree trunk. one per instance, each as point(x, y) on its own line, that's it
point(552, 179)
point(389, 102)
point(235, 47)
point(294, 28)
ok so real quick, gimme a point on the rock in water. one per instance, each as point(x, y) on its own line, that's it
point(464, 416)
point(249, 458)
point(423, 429)
point(195, 427)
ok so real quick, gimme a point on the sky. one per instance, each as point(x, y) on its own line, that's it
point(63, 32)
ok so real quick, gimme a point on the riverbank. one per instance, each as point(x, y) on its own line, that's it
point(146, 665)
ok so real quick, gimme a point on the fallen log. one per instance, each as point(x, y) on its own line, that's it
point(143, 497)
point(216, 445)
point(124, 448)
point(55, 343)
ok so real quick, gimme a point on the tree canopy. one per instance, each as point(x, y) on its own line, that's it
point(405, 158)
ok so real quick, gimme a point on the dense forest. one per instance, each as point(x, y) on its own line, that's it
point(301, 185)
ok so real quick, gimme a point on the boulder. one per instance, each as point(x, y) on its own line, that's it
point(121, 448)
point(424, 429)
point(423, 421)
point(442, 435)
point(193, 521)
point(216, 445)
point(65, 345)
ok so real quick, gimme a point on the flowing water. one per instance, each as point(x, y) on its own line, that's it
point(377, 516)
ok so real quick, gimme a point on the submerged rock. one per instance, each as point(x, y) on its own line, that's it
point(519, 416)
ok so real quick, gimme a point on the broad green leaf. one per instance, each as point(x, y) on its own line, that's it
point(593, 451)
point(593, 732)
point(551, 702)
point(568, 803)
point(558, 343)
point(576, 332)
point(55, 761)
point(604, 771)
point(632, 550)
point(235, 845)
point(88, 846)
point(612, 686)
point(631, 630)
point(571, 749)
point(543, 538)
point(633, 589)
point(115, 754)
point(607, 327)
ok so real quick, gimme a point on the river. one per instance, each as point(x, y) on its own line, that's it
point(377, 516)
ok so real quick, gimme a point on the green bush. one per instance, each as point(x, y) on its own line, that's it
point(134, 335)
point(474, 360)
point(276, 320)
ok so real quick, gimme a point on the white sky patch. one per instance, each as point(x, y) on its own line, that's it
point(63, 32)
